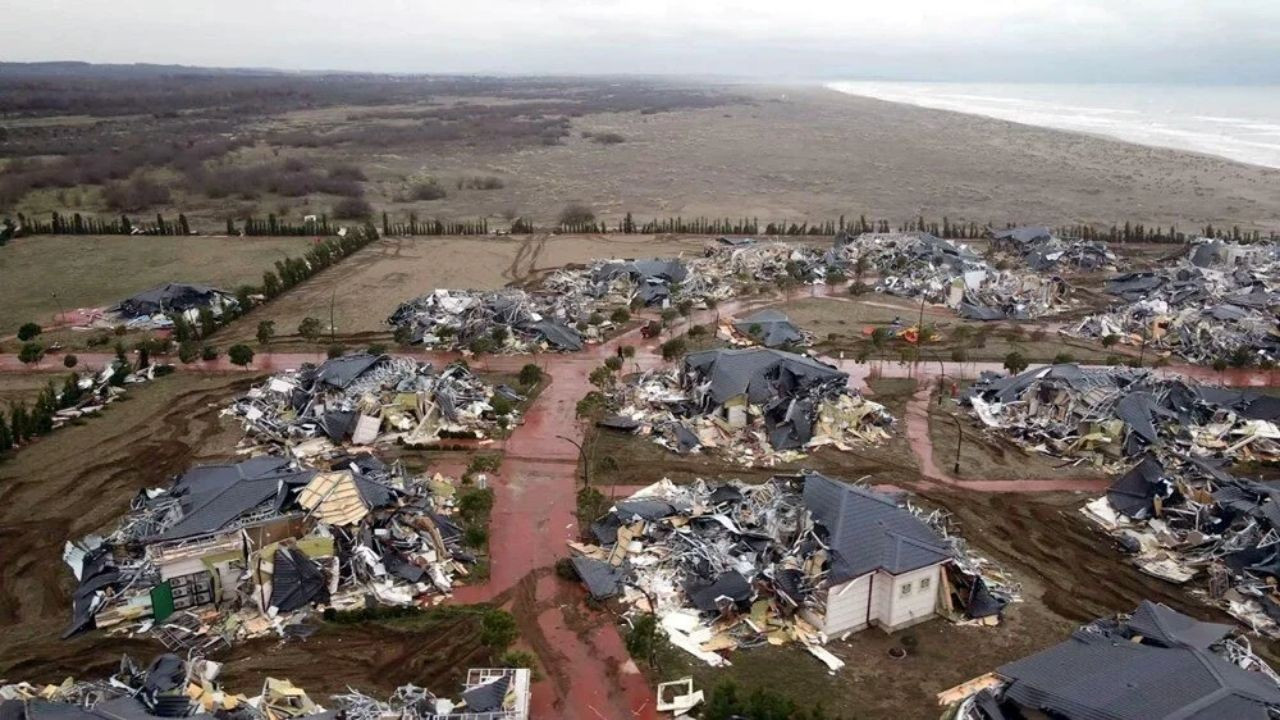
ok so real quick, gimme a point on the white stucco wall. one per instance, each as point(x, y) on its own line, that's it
point(882, 595)
point(917, 605)
point(847, 606)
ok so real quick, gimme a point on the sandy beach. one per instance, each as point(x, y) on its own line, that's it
point(800, 152)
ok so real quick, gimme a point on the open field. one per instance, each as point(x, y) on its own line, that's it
point(24, 387)
point(504, 148)
point(96, 271)
point(365, 288)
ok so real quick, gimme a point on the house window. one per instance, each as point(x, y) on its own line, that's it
point(924, 584)
point(906, 589)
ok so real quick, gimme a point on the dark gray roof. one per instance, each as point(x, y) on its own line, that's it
point(487, 697)
point(760, 373)
point(602, 579)
point(1023, 234)
point(1171, 628)
point(641, 270)
point(212, 496)
point(776, 329)
point(168, 298)
point(340, 372)
point(1155, 665)
point(558, 334)
point(869, 531)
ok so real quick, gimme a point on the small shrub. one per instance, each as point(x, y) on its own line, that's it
point(70, 361)
point(521, 659)
point(501, 405)
point(240, 354)
point(188, 351)
point(336, 350)
point(530, 375)
point(208, 353)
point(498, 629)
point(29, 331)
point(620, 315)
point(608, 138)
point(475, 537)
point(30, 353)
point(352, 209)
point(577, 214)
point(425, 191)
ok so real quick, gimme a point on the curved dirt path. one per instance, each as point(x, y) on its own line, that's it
point(589, 673)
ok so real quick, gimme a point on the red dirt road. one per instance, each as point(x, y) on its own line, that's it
point(589, 673)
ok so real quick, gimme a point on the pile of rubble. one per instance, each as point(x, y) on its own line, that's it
point(155, 309)
point(757, 406)
point(1217, 303)
point(1176, 505)
point(801, 559)
point(622, 283)
point(947, 273)
point(1043, 251)
point(233, 551)
point(171, 687)
point(1155, 663)
point(510, 320)
point(369, 400)
point(94, 391)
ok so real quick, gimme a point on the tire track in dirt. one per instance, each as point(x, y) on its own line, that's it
point(50, 494)
point(524, 264)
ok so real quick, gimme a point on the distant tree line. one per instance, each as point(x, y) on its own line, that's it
point(77, 224)
point(273, 226)
point(434, 227)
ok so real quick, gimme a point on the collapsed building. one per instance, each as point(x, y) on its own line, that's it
point(369, 399)
point(1043, 251)
point(171, 687)
point(240, 550)
point(1156, 664)
point(648, 282)
point(511, 320)
point(947, 273)
point(770, 328)
point(1176, 505)
point(757, 405)
point(155, 308)
point(802, 558)
point(1219, 301)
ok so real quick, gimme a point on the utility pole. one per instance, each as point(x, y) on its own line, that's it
point(582, 458)
point(61, 310)
point(333, 330)
point(959, 438)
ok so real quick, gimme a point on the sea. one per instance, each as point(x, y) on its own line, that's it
point(1237, 122)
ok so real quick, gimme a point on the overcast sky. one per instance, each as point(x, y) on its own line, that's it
point(1047, 40)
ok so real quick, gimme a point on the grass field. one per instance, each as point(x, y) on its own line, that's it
point(366, 287)
point(93, 271)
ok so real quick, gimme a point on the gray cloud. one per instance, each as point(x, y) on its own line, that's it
point(1087, 40)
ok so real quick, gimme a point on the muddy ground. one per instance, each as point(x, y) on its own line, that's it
point(81, 479)
point(1069, 573)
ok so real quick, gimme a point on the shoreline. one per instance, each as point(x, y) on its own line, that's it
point(1017, 108)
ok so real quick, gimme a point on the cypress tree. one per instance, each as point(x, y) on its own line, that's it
point(6, 438)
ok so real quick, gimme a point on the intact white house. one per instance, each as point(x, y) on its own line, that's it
point(886, 564)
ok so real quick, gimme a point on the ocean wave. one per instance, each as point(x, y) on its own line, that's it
point(1147, 115)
